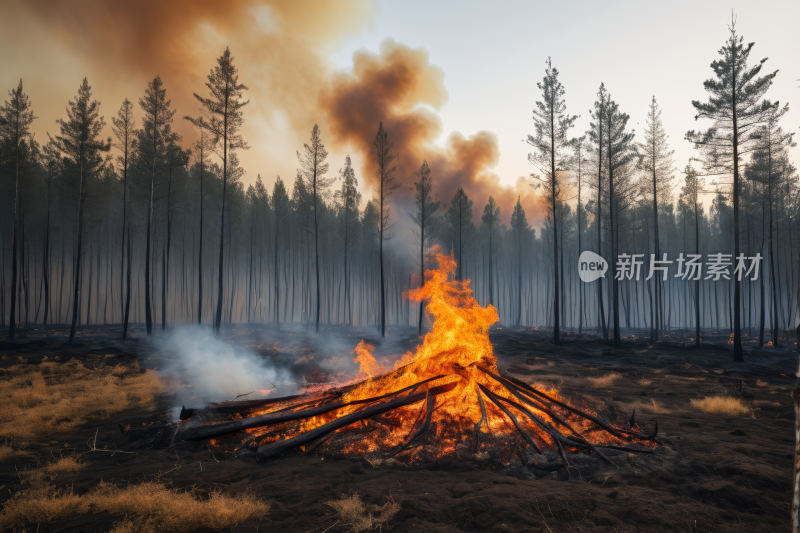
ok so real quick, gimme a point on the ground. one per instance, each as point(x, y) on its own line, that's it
point(711, 472)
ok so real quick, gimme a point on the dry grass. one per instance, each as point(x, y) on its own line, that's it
point(651, 407)
point(604, 381)
point(63, 465)
point(363, 517)
point(644, 382)
point(761, 383)
point(57, 397)
point(146, 507)
point(7, 452)
point(722, 405)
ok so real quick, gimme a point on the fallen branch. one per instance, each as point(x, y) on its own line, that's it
point(477, 430)
point(277, 448)
point(425, 427)
point(269, 419)
point(489, 394)
point(617, 432)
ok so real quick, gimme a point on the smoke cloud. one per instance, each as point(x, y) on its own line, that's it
point(211, 369)
point(400, 87)
point(282, 51)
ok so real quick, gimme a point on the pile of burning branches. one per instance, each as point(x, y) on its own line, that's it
point(467, 407)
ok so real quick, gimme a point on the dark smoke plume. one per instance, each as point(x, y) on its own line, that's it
point(400, 87)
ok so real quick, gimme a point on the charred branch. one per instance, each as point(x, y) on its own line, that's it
point(276, 448)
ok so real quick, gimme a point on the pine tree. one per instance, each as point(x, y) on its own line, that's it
point(459, 217)
point(176, 157)
point(155, 134)
point(280, 208)
point(621, 151)
point(596, 137)
point(16, 117)
point(224, 107)
point(423, 220)
point(124, 128)
point(737, 109)
point(520, 229)
point(205, 143)
point(656, 160)
point(349, 199)
point(81, 144)
point(772, 143)
point(690, 195)
point(384, 171)
point(550, 141)
point(314, 168)
point(490, 219)
point(578, 165)
point(51, 160)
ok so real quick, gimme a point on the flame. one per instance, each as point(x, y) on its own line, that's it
point(456, 350)
point(369, 366)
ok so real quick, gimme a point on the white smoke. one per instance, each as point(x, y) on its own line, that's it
point(209, 369)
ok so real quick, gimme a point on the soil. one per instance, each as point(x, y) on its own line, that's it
point(709, 473)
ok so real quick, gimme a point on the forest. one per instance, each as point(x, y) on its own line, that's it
point(123, 221)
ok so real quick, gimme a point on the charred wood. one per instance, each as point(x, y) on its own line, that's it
point(276, 448)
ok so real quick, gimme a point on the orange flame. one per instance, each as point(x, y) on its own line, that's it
point(369, 366)
point(456, 350)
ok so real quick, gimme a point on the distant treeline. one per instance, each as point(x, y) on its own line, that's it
point(131, 228)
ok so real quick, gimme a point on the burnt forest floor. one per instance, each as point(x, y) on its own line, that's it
point(710, 473)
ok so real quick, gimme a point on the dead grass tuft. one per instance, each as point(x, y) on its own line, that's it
point(39, 477)
point(761, 383)
point(604, 381)
point(64, 465)
point(7, 452)
point(722, 405)
point(363, 517)
point(651, 407)
point(645, 382)
point(146, 507)
point(57, 397)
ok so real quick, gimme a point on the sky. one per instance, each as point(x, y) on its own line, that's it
point(466, 105)
point(494, 54)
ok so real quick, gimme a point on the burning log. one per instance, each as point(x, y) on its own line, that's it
point(277, 448)
point(511, 416)
point(617, 432)
point(429, 400)
point(224, 428)
point(477, 430)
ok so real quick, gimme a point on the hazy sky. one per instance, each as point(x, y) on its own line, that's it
point(492, 55)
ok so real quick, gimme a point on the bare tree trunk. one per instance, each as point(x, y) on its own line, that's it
point(127, 289)
point(77, 270)
point(796, 477)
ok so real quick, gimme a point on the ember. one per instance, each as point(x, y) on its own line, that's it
point(466, 405)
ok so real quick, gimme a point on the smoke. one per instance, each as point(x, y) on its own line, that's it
point(212, 369)
point(400, 87)
point(280, 48)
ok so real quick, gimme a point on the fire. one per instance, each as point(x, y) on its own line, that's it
point(457, 345)
point(369, 366)
point(456, 358)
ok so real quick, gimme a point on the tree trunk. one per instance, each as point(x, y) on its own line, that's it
point(77, 270)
